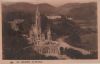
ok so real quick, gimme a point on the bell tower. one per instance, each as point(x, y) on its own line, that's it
point(49, 34)
point(37, 26)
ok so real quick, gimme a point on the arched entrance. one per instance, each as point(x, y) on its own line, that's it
point(45, 50)
point(62, 50)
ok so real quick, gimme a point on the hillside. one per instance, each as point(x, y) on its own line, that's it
point(84, 11)
point(28, 8)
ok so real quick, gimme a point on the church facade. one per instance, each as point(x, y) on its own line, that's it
point(42, 45)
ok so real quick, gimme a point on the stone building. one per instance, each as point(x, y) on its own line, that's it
point(42, 45)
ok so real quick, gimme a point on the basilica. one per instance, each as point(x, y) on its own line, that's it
point(41, 44)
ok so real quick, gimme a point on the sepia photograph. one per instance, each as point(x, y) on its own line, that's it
point(49, 30)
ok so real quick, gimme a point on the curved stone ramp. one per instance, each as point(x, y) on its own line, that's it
point(66, 45)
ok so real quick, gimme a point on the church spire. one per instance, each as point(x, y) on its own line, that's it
point(37, 24)
point(49, 34)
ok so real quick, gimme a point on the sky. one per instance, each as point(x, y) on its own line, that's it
point(52, 2)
